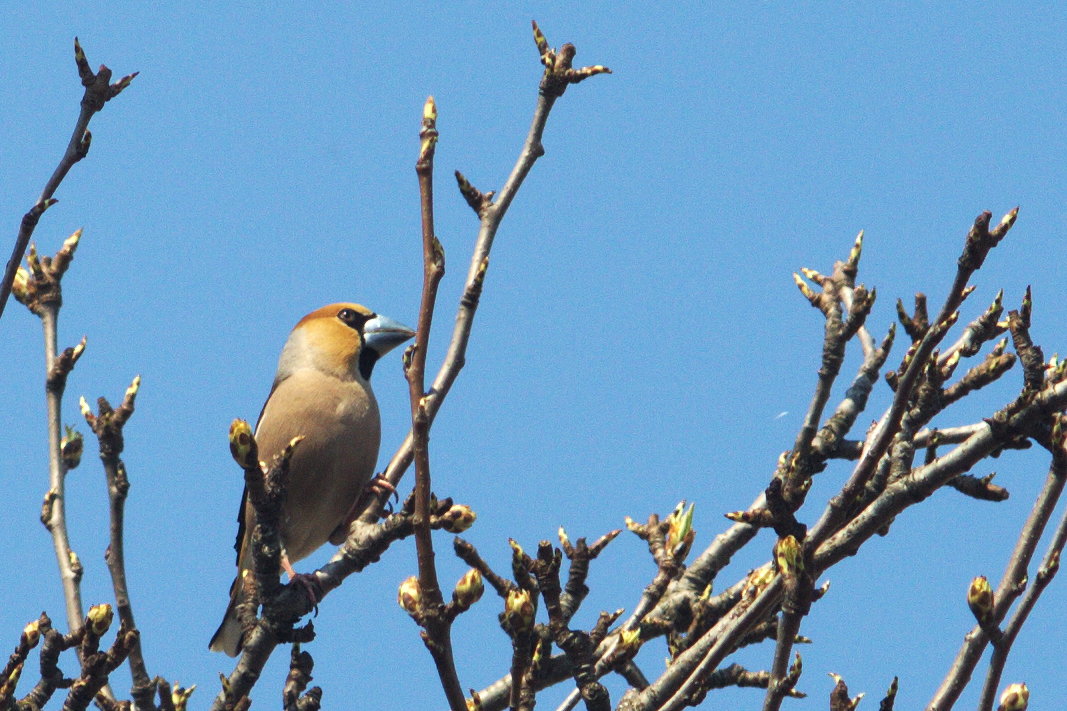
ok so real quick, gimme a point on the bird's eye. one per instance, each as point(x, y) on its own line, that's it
point(352, 318)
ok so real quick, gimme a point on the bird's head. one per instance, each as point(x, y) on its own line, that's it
point(344, 340)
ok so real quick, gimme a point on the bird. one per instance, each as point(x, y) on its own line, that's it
point(322, 393)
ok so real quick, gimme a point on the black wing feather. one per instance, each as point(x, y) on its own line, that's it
point(244, 492)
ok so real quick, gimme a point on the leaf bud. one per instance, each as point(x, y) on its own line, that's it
point(519, 611)
point(1015, 698)
point(409, 596)
point(243, 445)
point(99, 618)
point(71, 447)
point(980, 600)
point(458, 518)
point(468, 589)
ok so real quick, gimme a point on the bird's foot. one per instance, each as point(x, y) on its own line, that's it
point(379, 485)
point(309, 582)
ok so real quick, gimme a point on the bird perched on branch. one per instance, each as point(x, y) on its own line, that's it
point(322, 393)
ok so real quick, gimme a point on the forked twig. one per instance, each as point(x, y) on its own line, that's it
point(98, 91)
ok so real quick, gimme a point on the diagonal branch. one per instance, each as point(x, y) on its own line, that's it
point(491, 210)
point(98, 91)
point(980, 240)
point(1049, 566)
point(1011, 586)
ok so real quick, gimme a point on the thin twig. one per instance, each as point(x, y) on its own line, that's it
point(558, 72)
point(98, 91)
point(926, 479)
point(833, 353)
point(70, 569)
point(674, 690)
point(108, 425)
point(266, 487)
point(367, 538)
point(796, 602)
point(431, 609)
point(40, 288)
point(364, 546)
point(979, 241)
point(1049, 566)
point(1011, 585)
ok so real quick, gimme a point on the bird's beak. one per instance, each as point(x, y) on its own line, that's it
point(382, 334)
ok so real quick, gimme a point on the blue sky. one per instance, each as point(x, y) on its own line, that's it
point(640, 332)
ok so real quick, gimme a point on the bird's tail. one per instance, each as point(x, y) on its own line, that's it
point(228, 637)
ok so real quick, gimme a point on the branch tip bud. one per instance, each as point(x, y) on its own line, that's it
point(243, 446)
point(857, 250)
point(540, 40)
point(458, 518)
point(789, 556)
point(680, 527)
point(99, 618)
point(1009, 219)
point(179, 696)
point(32, 633)
point(519, 611)
point(469, 589)
point(71, 447)
point(135, 386)
point(71, 243)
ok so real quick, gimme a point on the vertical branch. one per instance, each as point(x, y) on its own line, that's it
point(39, 288)
point(266, 486)
point(796, 602)
point(436, 624)
point(54, 514)
point(107, 425)
point(98, 91)
point(558, 75)
point(374, 537)
point(433, 270)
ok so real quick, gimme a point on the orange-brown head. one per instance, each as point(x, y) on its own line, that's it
point(344, 340)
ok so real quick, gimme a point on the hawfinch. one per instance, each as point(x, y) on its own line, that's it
point(321, 392)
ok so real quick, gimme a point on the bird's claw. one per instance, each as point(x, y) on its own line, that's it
point(310, 584)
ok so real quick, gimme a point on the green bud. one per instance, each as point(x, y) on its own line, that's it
point(980, 600)
point(409, 596)
point(468, 589)
point(1015, 698)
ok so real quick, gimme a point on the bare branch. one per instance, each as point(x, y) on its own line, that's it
point(430, 608)
point(98, 91)
point(107, 424)
point(1012, 584)
point(558, 74)
point(40, 289)
point(979, 241)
